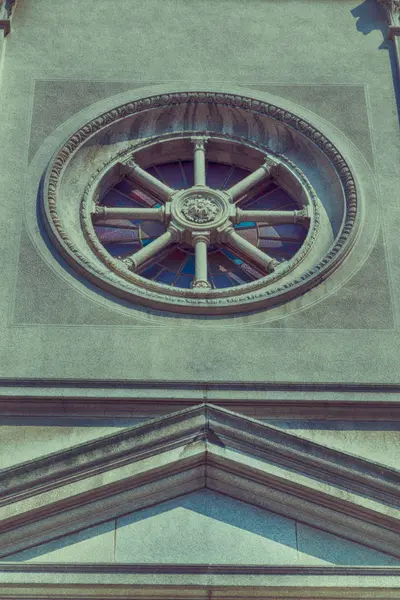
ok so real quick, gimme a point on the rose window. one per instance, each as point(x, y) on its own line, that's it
point(203, 202)
point(200, 223)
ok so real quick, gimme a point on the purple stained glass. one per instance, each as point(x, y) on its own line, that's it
point(171, 174)
point(133, 194)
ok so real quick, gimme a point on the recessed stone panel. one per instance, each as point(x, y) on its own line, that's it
point(42, 297)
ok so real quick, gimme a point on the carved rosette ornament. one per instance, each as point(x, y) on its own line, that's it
point(200, 218)
point(200, 209)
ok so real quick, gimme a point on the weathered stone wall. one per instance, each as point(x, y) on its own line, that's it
point(328, 57)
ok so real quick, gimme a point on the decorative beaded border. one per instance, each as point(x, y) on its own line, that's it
point(242, 297)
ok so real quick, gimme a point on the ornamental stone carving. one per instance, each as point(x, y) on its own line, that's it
point(203, 208)
point(392, 9)
point(200, 208)
point(6, 8)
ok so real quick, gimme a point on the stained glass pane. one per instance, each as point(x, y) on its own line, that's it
point(176, 265)
point(217, 174)
point(138, 196)
point(171, 174)
point(121, 250)
point(189, 171)
point(167, 277)
point(116, 199)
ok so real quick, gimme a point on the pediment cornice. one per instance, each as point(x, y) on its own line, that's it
point(200, 447)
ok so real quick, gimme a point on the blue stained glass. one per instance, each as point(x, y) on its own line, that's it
point(189, 266)
point(235, 259)
point(222, 281)
point(121, 249)
point(290, 230)
point(152, 171)
point(285, 249)
point(166, 277)
point(245, 225)
point(152, 271)
point(184, 281)
point(147, 241)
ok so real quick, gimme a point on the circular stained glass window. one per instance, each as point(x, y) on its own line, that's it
point(199, 223)
point(204, 203)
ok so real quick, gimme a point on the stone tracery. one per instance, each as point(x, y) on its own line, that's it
point(123, 275)
point(185, 214)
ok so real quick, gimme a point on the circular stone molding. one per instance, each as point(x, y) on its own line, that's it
point(269, 142)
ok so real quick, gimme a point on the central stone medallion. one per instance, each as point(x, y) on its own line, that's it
point(200, 208)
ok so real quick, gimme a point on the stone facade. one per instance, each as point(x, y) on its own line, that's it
point(182, 443)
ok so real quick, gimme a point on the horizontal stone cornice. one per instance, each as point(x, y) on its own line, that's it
point(197, 582)
point(225, 569)
point(34, 398)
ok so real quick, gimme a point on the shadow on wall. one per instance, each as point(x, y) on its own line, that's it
point(370, 17)
point(205, 527)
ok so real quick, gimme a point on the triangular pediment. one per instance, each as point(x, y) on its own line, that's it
point(200, 528)
point(202, 448)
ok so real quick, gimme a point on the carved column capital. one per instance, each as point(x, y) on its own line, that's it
point(6, 8)
point(199, 143)
point(100, 212)
point(270, 167)
point(201, 236)
point(392, 10)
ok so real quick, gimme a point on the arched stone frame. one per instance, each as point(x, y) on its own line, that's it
point(299, 285)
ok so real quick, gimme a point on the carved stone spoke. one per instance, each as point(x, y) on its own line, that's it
point(239, 189)
point(245, 248)
point(200, 243)
point(151, 250)
point(200, 216)
point(149, 214)
point(199, 161)
point(272, 217)
point(147, 181)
